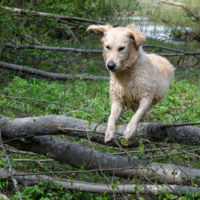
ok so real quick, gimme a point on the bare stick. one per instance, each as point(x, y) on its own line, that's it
point(2, 196)
point(49, 48)
point(37, 161)
point(10, 169)
point(19, 152)
point(174, 3)
point(181, 53)
point(33, 160)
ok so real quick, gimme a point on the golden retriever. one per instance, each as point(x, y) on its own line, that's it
point(138, 80)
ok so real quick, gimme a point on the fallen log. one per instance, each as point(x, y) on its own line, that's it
point(57, 76)
point(36, 47)
point(29, 180)
point(76, 156)
point(63, 125)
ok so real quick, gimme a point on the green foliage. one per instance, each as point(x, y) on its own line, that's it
point(52, 191)
point(82, 99)
point(94, 99)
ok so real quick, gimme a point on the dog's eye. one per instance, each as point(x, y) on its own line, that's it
point(121, 48)
point(108, 47)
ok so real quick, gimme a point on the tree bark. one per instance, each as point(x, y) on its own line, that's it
point(30, 180)
point(63, 125)
point(76, 156)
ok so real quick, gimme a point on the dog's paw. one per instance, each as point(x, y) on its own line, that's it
point(110, 134)
point(130, 131)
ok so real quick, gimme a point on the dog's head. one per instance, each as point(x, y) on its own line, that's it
point(120, 45)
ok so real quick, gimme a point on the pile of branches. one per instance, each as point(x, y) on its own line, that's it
point(38, 140)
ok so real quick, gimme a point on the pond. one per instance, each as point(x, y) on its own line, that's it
point(150, 28)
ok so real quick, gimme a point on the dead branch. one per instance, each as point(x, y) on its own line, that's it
point(63, 125)
point(19, 152)
point(190, 13)
point(100, 188)
point(181, 53)
point(51, 15)
point(10, 169)
point(33, 160)
point(2, 196)
point(72, 154)
point(57, 76)
point(36, 47)
point(173, 3)
point(178, 54)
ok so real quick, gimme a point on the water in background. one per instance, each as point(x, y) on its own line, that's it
point(151, 29)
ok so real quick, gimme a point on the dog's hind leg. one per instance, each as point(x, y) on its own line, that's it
point(116, 110)
point(131, 128)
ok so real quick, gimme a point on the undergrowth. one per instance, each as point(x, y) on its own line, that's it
point(90, 100)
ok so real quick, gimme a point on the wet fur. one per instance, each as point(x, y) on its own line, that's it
point(141, 79)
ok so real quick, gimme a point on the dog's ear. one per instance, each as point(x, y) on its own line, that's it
point(99, 29)
point(136, 35)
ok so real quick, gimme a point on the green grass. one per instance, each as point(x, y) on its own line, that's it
point(86, 99)
point(90, 100)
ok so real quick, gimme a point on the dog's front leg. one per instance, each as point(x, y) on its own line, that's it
point(131, 128)
point(116, 110)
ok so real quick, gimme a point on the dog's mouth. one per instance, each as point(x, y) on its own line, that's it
point(115, 70)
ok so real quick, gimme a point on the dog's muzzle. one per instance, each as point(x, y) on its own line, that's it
point(111, 66)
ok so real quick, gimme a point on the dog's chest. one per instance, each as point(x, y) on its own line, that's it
point(130, 91)
point(126, 91)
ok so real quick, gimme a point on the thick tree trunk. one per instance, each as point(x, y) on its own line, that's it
point(63, 125)
point(76, 156)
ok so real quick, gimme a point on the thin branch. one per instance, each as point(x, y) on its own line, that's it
point(181, 53)
point(10, 169)
point(33, 160)
point(149, 150)
point(19, 152)
point(46, 101)
point(52, 15)
point(174, 3)
point(49, 48)
point(179, 124)
point(3, 197)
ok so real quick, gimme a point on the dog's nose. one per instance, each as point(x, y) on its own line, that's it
point(111, 65)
